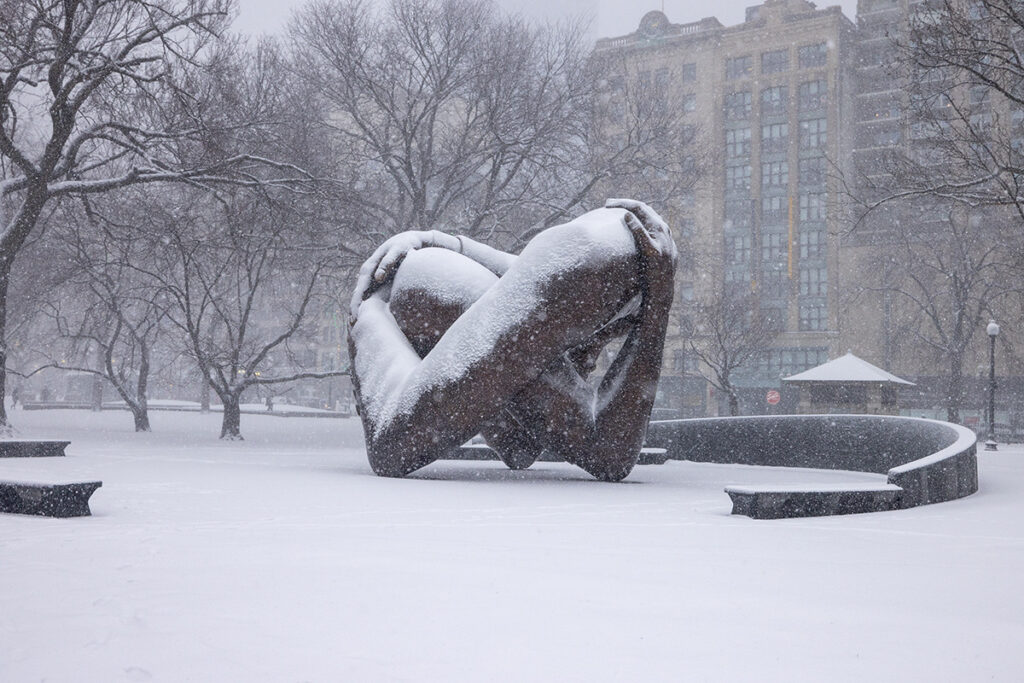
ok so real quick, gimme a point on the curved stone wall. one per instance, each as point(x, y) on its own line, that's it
point(926, 461)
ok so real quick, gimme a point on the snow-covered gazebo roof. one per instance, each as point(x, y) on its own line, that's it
point(847, 369)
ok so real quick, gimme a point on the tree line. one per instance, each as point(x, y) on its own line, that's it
point(173, 194)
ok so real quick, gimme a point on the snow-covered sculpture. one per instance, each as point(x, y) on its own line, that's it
point(450, 338)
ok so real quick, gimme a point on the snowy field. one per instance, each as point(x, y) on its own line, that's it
point(283, 558)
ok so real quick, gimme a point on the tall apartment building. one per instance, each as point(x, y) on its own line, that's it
point(770, 97)
point(887, 122)
point(879, 126)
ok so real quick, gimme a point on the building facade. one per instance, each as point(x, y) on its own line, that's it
point(770, 98)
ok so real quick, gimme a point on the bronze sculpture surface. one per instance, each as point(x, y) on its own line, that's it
point(450, 338)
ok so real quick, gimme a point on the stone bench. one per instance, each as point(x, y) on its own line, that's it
point(925, 461)
point(32, 449)
point(49, 500)
point(778, 502)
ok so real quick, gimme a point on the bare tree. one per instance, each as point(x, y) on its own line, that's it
point(446, 107)
point(448, 114)
point(946, 277)
point(91, 101)
point(961, 68)
point(244, 283)
point(106, 303)
point(964, 68)
point(730, 331)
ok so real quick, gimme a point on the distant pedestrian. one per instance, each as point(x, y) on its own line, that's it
point(270, 404)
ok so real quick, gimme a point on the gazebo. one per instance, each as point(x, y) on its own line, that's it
point(848, 384)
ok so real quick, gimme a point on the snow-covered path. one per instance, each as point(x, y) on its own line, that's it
point(283, 559)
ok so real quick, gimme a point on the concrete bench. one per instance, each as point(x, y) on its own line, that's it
point(32, 449)
point(816, 500)
point(925, 460)
point(49, 500)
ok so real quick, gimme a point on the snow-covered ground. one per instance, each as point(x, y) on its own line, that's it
point(282, 558)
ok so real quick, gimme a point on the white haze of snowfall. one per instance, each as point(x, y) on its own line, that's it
point(282, 558)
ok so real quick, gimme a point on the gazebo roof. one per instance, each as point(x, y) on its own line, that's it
point(847, 369)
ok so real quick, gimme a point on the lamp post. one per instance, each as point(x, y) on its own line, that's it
point(993, 332)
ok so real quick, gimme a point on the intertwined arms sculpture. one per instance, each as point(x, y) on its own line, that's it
point(450, 338)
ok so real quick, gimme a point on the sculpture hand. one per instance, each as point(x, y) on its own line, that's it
point(657, 249)
point(382, 264)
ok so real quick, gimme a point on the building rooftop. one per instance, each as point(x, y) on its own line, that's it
point(655, 27)
point(848, 368)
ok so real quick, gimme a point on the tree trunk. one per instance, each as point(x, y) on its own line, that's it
point(204, 394)
point(141, 416)
point(5, 277)
point(955, 391)
point(231, 426)
point(734, 403)
point(96, 404)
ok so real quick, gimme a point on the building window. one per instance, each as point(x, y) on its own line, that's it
point(737, 281)
point(812, 244)
point(813, 133)
point(683, 362)
point(885, 137)
point(739, 67)
point(690, 102)
point(775, 61)
point(737, 177)
point(814, 281)
point(810, 56)
point(774, 317)
point(774, 284)
point(737, 249)
point(981, 123)
point(774, 210)
point(812, 171)
point(978, 94)
point(689, 73)
point(737, 142)
point(774, 137)
point(881, 111)
point(737, 214)
point(773, 100)
point(791, 361)
point(813, 316)
point(812, 95)
point(737, 105)
point(773, 246)
point(661, 80)
point(813, 206)
point(774, 174)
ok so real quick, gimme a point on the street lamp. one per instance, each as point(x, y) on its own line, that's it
point(993, 332)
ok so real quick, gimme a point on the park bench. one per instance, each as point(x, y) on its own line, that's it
point(49, 500)
point(64, 499)
point(816, 500)
point(32, 449)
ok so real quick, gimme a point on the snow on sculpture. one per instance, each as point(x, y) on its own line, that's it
point(450, 338)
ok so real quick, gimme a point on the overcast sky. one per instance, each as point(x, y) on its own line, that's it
point(610, 17)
